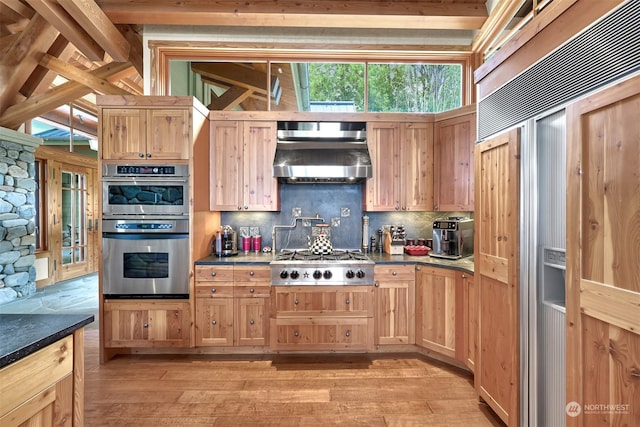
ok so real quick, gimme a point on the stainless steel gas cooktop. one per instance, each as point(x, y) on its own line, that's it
point(340, 267)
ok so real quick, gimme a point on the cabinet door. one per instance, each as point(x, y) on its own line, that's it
point(470, 320)
point(251, 321)
point(454, 165)
point(416, 148)
point(395, 308)
point(382, 190)
point(438, 311)
point(168, 135)
point(214, 321)
point(260, 187)
point(123, 133)
point(496, 273)
point(146, 324)
point(225, 165)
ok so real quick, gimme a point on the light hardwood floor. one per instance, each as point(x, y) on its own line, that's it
point(278, 390)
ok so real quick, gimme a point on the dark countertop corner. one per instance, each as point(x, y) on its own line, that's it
point(24, 334)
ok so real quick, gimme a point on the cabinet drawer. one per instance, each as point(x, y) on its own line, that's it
point(214, 290)
point(214, 273)
point(325, 300)
point(325, 333)
point(252, 274)
point(394, 272)
point(249, 291)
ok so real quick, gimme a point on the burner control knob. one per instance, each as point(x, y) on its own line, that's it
point(327, 274)
point(294, 274)
point(360, 274)
point(317, 274)
point(284, 274)
point(350, 274)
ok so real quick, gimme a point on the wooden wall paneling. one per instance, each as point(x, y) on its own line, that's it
point(497, 196)
point(603, 286)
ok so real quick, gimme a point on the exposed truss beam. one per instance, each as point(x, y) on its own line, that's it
point(233, 97)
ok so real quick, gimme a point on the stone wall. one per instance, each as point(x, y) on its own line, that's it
point(17, 212)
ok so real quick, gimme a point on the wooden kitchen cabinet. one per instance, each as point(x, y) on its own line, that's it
point(322, 318)
point(145, 134)
point(402, 159)
point(439, 311)
point(453, 166)
point(147, 323)
point(394, 304)
point(241, 166)
point(470, 318)
point(232, 305)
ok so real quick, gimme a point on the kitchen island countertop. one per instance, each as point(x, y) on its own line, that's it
point(463, 264)
point(24, 334)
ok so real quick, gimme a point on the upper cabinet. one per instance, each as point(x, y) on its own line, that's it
point(402, 158)
point(241, 161)
point(455, 136)
point(149, 128)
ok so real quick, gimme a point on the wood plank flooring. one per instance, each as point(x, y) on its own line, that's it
point(278, 390)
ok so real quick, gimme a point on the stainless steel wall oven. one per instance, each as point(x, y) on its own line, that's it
point(145, 258)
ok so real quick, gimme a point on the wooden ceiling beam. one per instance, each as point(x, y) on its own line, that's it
point(41, 78)
point(68, 27)
point(90, 17)
point(62, 118)
point(19, 7)
point(404, 14)
point(70, 72)
point(22, 58)
point(233, 74)
point(230, 99)
point(136, 53)
point(68, 92)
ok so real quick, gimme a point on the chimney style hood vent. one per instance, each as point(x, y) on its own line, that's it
point(322, 152)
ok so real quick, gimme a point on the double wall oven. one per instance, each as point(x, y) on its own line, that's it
point(145, 231)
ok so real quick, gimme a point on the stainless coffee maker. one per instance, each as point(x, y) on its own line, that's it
point(225, 242)
point(452, 238)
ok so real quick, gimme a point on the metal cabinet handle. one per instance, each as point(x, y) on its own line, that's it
point(251, 273)
point(295, 302)
point(213, 274)
point(348, 334)
point(213, 322)
point(148, 155)
point(463, 276)
point(140, 155)
point(295, 334)
point(418, 268)
point(347, 302)
point(394, 273)
point(251, 322)
point(251, 290)
point(239, 207)
point(89, 228)
point(213, 290)
point(246, 207)
point(146, 325)
point(377, 285)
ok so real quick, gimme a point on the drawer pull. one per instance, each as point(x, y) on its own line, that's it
point(377, 285)
point(213, 290)
point(348, 334)
point(295, 334)
point(295, 302)
point(251, 273)
point(146, 325)
point(251, 290)
point(213, 274)
point(347, 302)
point(251, 322)
point(463, 276)
point(394, 273)
point(213, 322)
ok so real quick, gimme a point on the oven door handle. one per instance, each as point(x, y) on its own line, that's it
point(137, 179)
point(145, 236)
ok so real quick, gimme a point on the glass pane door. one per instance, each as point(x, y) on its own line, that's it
point(74, 218)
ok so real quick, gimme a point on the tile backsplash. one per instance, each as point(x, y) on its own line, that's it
point(340, 205)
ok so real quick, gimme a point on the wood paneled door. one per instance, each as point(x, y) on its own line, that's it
point(603, 258)
point(497, 205)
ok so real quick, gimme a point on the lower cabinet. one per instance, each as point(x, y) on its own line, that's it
point(394, 304)
point(439, 307)
point(232, 305)
point(322, 318)
point(146, 323)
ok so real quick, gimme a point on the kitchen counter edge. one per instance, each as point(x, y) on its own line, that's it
point(463, 264)
point(24, 334)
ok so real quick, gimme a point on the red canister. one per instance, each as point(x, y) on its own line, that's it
point(256, 243)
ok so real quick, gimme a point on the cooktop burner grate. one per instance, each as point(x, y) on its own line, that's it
point(306, 255)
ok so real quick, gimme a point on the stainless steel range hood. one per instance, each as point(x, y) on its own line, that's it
point(322, 152)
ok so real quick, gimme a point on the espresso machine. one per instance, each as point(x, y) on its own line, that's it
point(225, 242)
point(452, 238)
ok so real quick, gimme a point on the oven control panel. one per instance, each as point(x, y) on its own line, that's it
point(296, 275)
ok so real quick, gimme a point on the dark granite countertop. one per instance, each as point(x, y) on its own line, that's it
point(463, 264)
point(24, 334)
